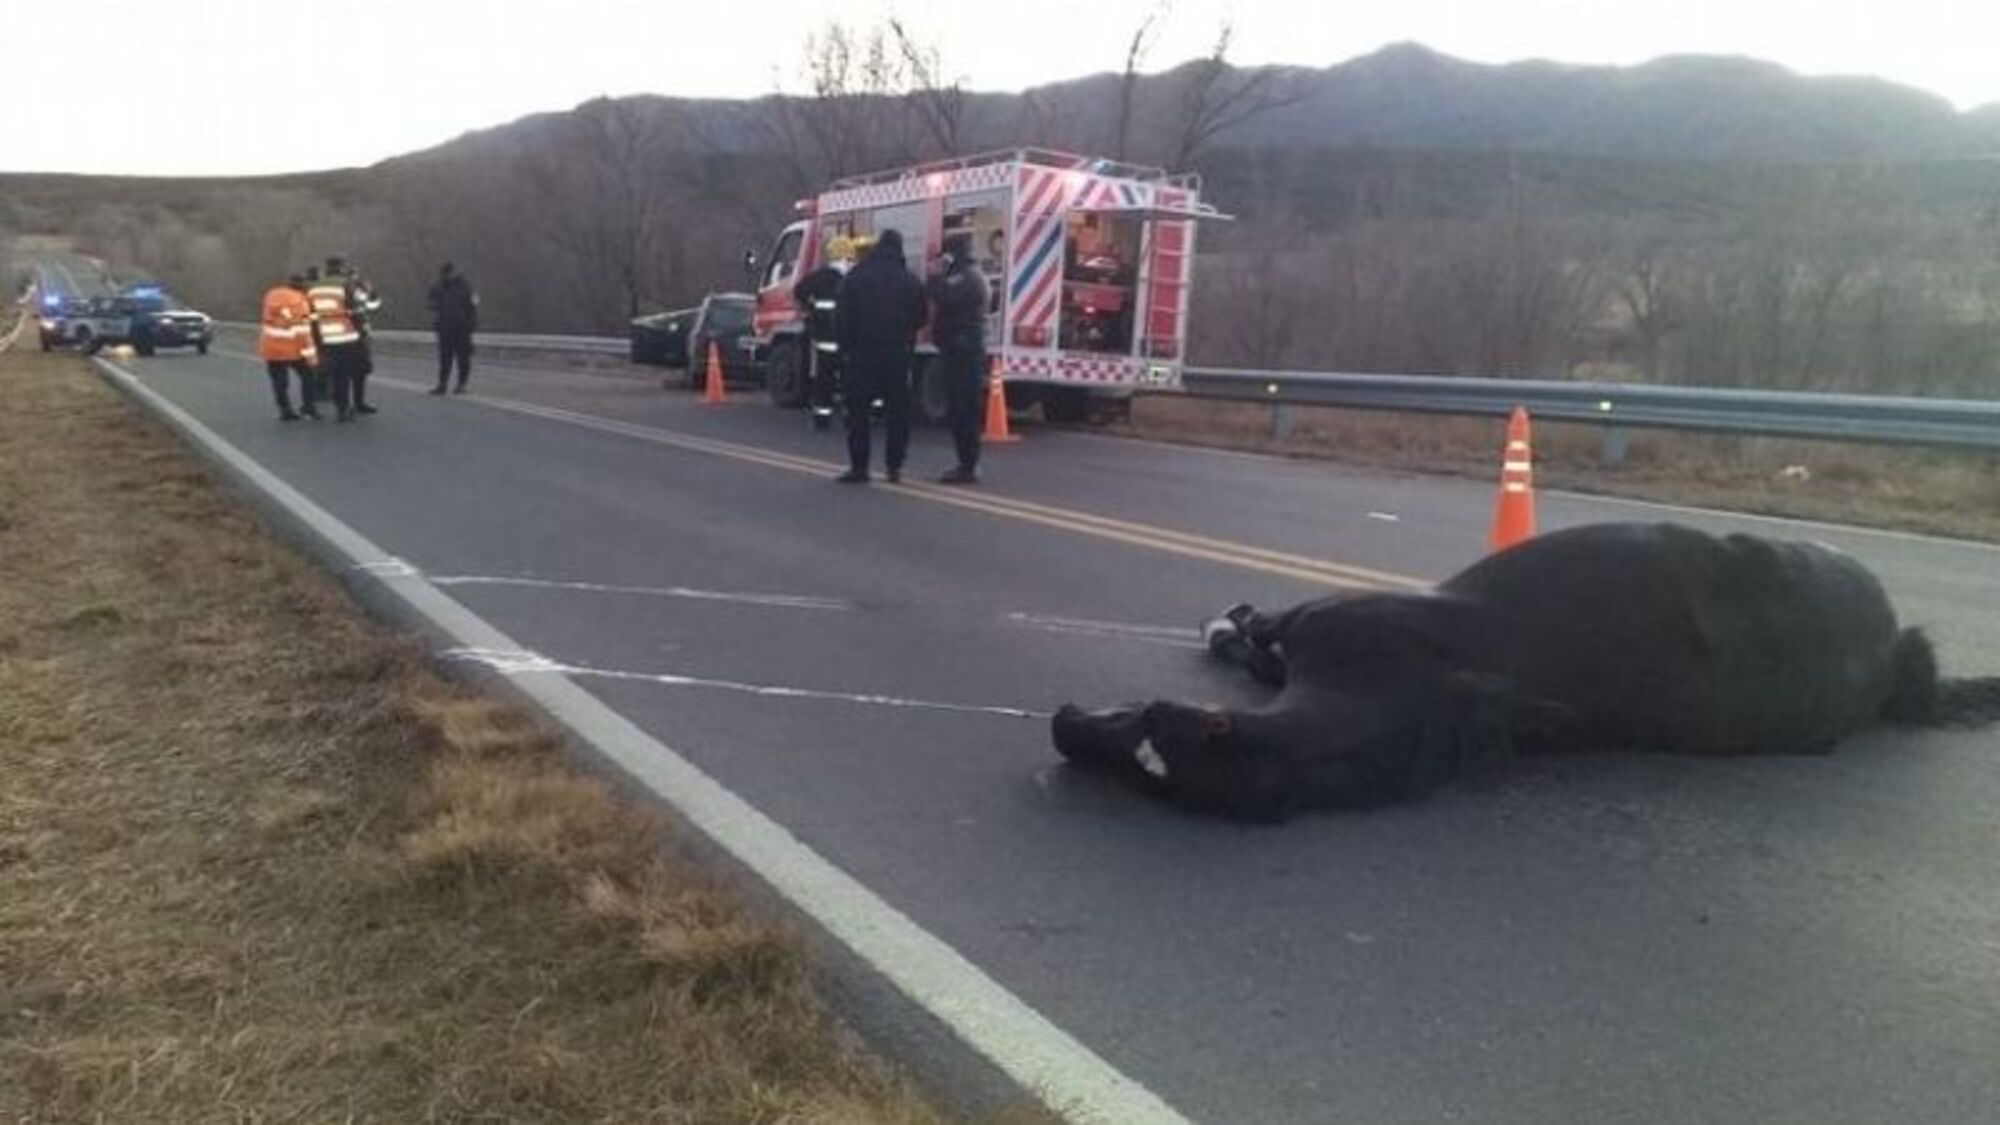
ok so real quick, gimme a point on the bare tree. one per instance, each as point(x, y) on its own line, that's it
point(1136, 50)
point(597, 194)
point(1047, 119)
point(853, 115)
point(1217, 98)
point(940, 104)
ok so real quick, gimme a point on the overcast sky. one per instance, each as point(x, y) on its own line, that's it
point(245, 86)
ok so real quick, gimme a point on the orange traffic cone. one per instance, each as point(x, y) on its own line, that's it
point(1514, 519)
point(996, 408)
point(712, 389)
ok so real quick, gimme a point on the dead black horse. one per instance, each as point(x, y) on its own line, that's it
point(1650, 637)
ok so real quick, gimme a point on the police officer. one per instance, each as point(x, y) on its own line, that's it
point(337, 331)
point(958, 327)
point(454, 314)
point(817, 293)
point(881, 306)
point(360, 301)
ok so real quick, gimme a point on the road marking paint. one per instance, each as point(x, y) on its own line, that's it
point(1044, 1059)
point(785, 601)
point(1188, 544)
point(518, 662)
point(1787, 521)
point(1171, 635)
point(388, 566)
point(1385, 517)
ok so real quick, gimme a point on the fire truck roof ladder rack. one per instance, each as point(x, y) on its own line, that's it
point(1047, 158)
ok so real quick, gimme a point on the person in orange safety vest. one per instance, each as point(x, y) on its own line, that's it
point(285, 344)
point(341, 303)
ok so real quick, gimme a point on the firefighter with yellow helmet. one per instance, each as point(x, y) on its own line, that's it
point(817, 296)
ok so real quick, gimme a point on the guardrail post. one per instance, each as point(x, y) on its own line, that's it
point(1281, 421)
point(1616, 441)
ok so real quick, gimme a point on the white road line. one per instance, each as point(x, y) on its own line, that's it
point(785, 601)
point(1174, 636)
point(1067, 1075)
point(517, 663)
point(1333, 467)
point(1785, 521)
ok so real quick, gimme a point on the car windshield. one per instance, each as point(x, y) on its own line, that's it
point(729, 316)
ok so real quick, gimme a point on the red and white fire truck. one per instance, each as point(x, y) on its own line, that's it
point(1088, 260)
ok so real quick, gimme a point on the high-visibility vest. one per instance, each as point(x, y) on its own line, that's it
point(286, 332)
point(329, 306)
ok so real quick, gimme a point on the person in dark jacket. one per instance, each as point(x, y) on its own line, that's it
point(818, 295)
point(454, 314)
point(881, 308)
point(958, 328)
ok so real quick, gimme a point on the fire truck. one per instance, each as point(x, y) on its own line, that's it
point(1088, 262)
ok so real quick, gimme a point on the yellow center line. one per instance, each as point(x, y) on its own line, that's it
point(1167, 540)
point(1143, 535)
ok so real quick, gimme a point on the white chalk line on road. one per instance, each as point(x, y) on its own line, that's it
point(516, 663)
point(1170, 635)
point(1067, 1075)
point(783, 601)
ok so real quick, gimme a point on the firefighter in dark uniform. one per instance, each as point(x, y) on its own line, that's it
point(958, 327)
point(818, 295)
point(881, 306)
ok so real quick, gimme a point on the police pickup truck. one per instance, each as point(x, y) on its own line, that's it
point(146, 318)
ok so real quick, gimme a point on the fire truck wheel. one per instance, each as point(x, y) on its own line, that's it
point(933, 400)
point(786, 379)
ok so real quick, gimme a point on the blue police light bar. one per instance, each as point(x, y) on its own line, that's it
point(51, 300)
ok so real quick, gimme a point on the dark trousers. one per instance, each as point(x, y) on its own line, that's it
point(360, 364)
point(338, 364)
point(965, 400)
point(869, 374)
point(280, 373)
point(454, 346)
point(825, 383)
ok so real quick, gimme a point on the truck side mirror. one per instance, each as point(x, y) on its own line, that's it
point(750, 264)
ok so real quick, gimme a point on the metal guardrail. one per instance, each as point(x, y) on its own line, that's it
point(592, 345)
point(516, 341)
point(1884, 419)
point(1956, 423)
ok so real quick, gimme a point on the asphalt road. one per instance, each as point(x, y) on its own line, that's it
point(70, 276)
point(1622, 939)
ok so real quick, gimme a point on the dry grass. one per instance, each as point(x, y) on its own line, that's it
point(1934, 492)
point(258, 863)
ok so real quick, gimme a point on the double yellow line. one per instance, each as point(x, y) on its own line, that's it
point(1151, 537)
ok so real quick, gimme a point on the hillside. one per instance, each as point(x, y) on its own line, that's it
point(1704, 220)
